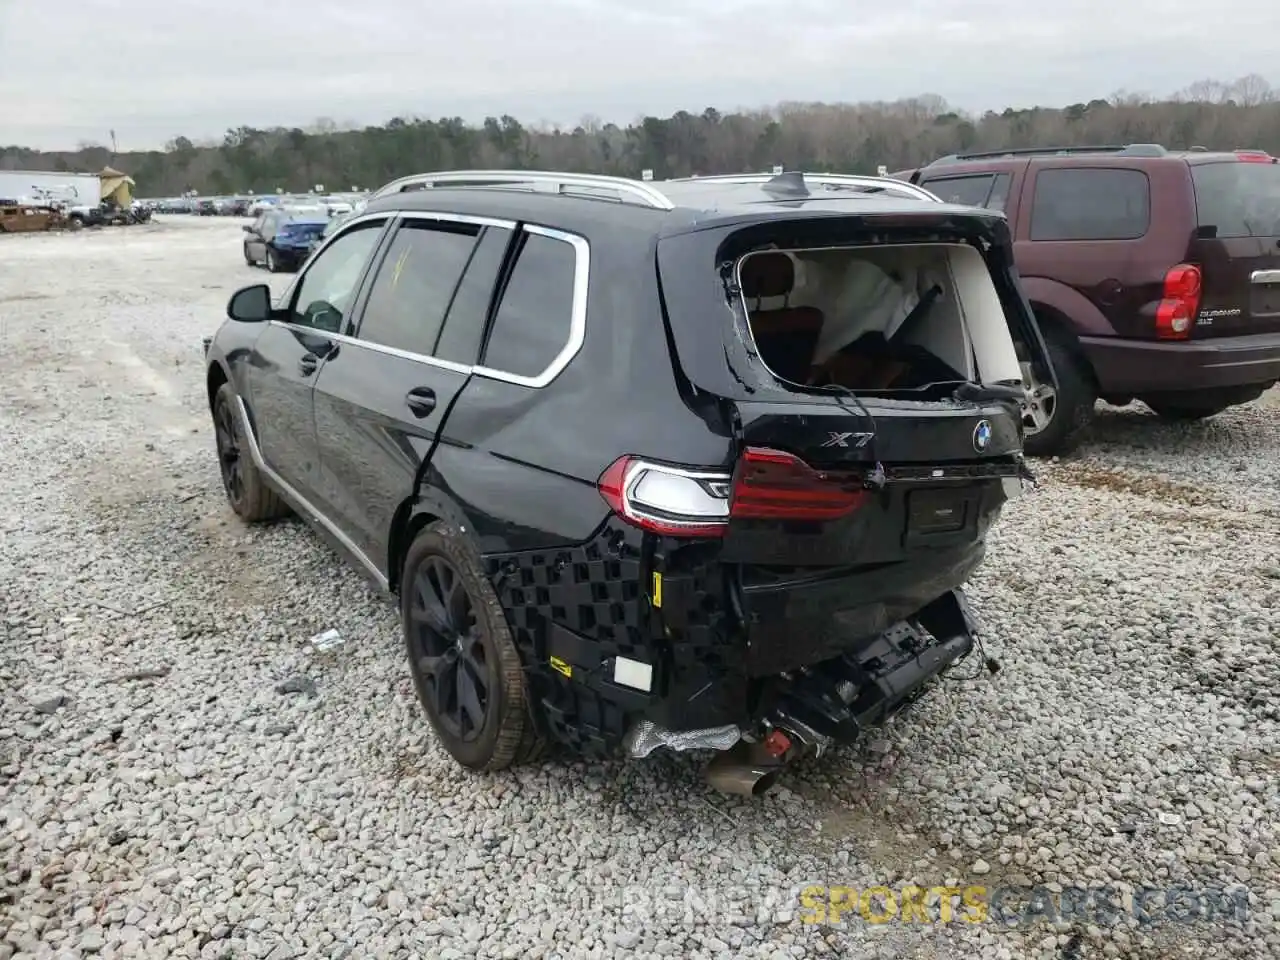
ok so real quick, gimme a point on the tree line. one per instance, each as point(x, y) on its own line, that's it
point(837, 138)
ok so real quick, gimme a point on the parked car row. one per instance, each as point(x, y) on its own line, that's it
point(243, 206)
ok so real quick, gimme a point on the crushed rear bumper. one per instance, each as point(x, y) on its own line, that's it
point(602, 650)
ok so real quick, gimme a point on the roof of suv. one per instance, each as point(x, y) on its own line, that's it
point(582, 202)
point(1134, 152)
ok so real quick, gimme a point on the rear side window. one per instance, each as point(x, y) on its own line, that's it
point(415, 285)
point(535, 316)
point(1238, 199)
point(1090, 203)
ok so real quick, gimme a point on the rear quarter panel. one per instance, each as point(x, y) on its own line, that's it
point(525, 461)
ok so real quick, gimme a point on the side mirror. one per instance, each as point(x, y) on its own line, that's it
point(250, 304)
point(247, 228)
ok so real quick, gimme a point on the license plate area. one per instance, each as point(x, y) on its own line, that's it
point(1264, 300)
point(939, 513)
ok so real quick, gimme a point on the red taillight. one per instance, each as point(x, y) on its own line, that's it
point(688, 502)
point(1254, 156)
point(672, 501)
point(773, 485)
point(1176, 314)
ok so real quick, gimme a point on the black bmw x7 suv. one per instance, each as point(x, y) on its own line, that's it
point(693, 463)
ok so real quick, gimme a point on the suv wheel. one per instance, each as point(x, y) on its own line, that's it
point(1053, 420)
point(247, 491)
point(464, 662)
point(273, 264)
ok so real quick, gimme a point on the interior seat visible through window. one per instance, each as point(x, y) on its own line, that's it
point(787, 335)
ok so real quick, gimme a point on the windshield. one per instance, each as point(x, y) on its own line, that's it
point(1238, 198)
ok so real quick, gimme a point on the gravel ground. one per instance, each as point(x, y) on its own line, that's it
point(160, 797)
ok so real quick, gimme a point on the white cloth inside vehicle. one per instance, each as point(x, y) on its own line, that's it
point(862, 297)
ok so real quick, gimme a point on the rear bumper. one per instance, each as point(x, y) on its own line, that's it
point(710, 653)
point(1143, 366)
point(719, 667)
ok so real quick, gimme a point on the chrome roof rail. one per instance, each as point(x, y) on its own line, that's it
point(827, 179)
point(570, 184)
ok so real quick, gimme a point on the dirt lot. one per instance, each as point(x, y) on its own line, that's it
point(159, 797)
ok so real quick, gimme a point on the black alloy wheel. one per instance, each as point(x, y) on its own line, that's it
point(455, 664)
point(247, 491)
point(229, 462)
point(466, 667)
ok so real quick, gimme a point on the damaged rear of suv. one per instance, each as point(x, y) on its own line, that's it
point(864, 365)
point(732, 508)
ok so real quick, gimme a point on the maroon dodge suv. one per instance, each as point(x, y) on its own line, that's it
point(1155, 273)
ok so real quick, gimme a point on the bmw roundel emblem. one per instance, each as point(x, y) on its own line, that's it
point(982, 436)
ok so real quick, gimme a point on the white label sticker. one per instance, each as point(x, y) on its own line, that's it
point(633, 673)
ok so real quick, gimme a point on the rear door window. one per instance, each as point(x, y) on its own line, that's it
point(971, 191)
point(999, 198)
point(1090, 203)
point(459, 341)
point(1237, 198)
point(415, 285)
point(534, 320)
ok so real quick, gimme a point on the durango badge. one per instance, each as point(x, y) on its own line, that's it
point(982, 436)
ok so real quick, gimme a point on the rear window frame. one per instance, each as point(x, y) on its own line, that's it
point(1196, 168)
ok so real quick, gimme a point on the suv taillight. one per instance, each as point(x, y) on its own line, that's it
point(1176, 314)
point(673, 501)
point(773, 485)
point(767, 485)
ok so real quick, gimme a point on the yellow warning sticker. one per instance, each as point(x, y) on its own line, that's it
point(657, 589)
point(561, 667)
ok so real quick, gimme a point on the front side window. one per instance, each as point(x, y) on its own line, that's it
point(327, 290)
point(415, 285)
point(1090, 203)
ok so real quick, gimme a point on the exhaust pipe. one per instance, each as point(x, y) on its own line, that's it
point(746, 769)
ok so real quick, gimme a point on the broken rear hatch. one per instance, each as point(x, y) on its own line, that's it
point(849, 510)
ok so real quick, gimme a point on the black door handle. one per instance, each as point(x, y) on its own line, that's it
point(420, 401)
point(307, 365)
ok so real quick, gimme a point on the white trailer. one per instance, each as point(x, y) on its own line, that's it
point(45, 186)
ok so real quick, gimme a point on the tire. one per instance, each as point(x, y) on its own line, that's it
point(1175, 410)
point(467, 635)
point(248, 259)
point(1073, 404)
point(246, 488)
point(76, 223)
point(272, 263)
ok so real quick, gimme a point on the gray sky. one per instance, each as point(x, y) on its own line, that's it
point(72, 70)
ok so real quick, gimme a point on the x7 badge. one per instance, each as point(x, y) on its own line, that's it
point(847, 439)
